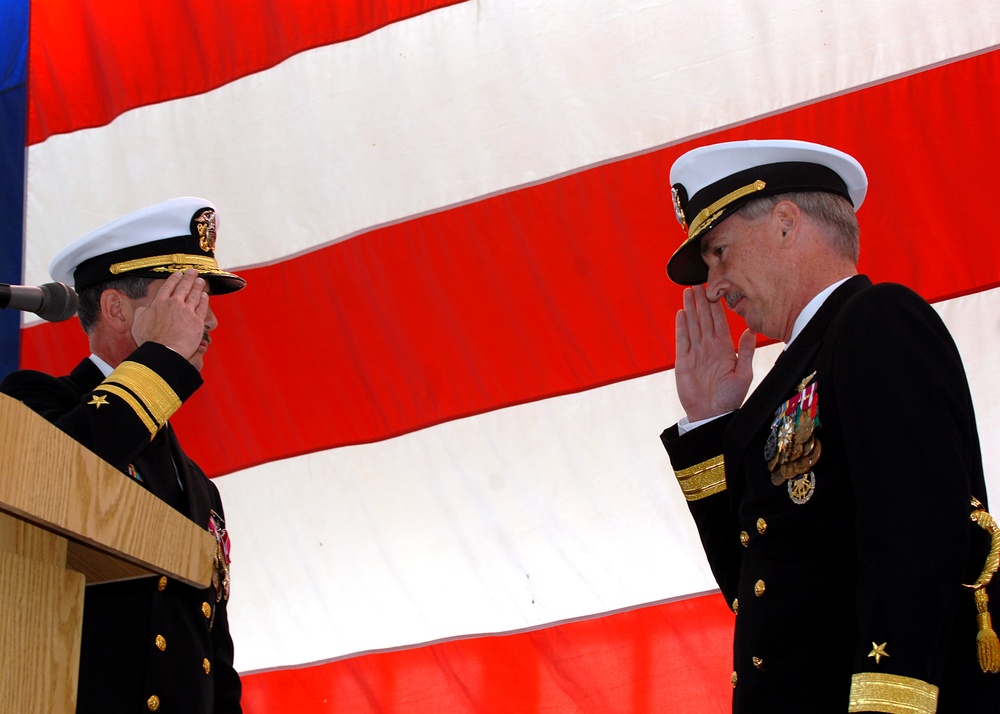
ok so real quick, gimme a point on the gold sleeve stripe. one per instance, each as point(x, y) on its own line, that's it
point(703, 480)
point(149, 387)
point(130, 399)
point(877, 692)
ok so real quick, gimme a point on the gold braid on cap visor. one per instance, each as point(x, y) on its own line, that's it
point(706, 217)
point(173, 263)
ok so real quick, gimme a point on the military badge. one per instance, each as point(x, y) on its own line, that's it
point(220, 573)
point(679, 197)
point(792, 448)
point(203, 226)
point(801, 488)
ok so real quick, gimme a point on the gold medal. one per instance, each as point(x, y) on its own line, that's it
point(804, 429)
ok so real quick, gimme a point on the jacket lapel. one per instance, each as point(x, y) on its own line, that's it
point(194, 484)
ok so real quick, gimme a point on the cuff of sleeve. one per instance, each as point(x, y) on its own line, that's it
point(182, 376)
point(685, 425)
point(698, 477)
point(154, 381)
point(703, 480)
point(877, 692)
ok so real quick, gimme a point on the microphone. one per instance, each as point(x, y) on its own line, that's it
point(52, 301)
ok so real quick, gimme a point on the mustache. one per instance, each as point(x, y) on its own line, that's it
point(732, 298)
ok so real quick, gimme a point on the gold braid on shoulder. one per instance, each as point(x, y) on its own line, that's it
point(987, 643)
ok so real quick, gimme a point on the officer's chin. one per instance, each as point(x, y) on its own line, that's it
point(198, 358)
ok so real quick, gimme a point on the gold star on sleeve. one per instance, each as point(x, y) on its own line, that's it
point(878, 652)
point(98, 400)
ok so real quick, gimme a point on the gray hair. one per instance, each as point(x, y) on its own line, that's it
point(833, 211)
point(90, 298)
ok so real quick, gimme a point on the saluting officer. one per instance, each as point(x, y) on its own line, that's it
point(144, 282)
point(842, 506)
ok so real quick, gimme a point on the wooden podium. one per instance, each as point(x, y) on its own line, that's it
point(67, 519)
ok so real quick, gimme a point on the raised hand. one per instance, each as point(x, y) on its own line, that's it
point(176, 316)
point(712, 377)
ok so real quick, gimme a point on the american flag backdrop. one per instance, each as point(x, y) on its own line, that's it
point(434, 412)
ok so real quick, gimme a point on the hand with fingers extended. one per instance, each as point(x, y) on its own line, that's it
point(712, 377)
point(176, 316)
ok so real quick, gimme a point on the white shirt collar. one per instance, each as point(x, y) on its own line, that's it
point(101, 365)
point(811, 309)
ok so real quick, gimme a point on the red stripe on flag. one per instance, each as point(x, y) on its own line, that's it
point(91, 61)
point(554, 288)
point(675, 657)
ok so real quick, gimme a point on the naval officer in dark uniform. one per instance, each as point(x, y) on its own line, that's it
point(842, 506)
point(144, 282)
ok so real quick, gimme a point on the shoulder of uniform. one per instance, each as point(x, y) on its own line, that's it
point(27, 379)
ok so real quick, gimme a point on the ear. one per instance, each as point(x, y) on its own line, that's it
point(116, 310)
point(789, 219)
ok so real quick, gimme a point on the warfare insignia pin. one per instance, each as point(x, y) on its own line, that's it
point(801, 488)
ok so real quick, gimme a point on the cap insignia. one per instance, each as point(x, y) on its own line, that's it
point(203, 225)
point(678, 199)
